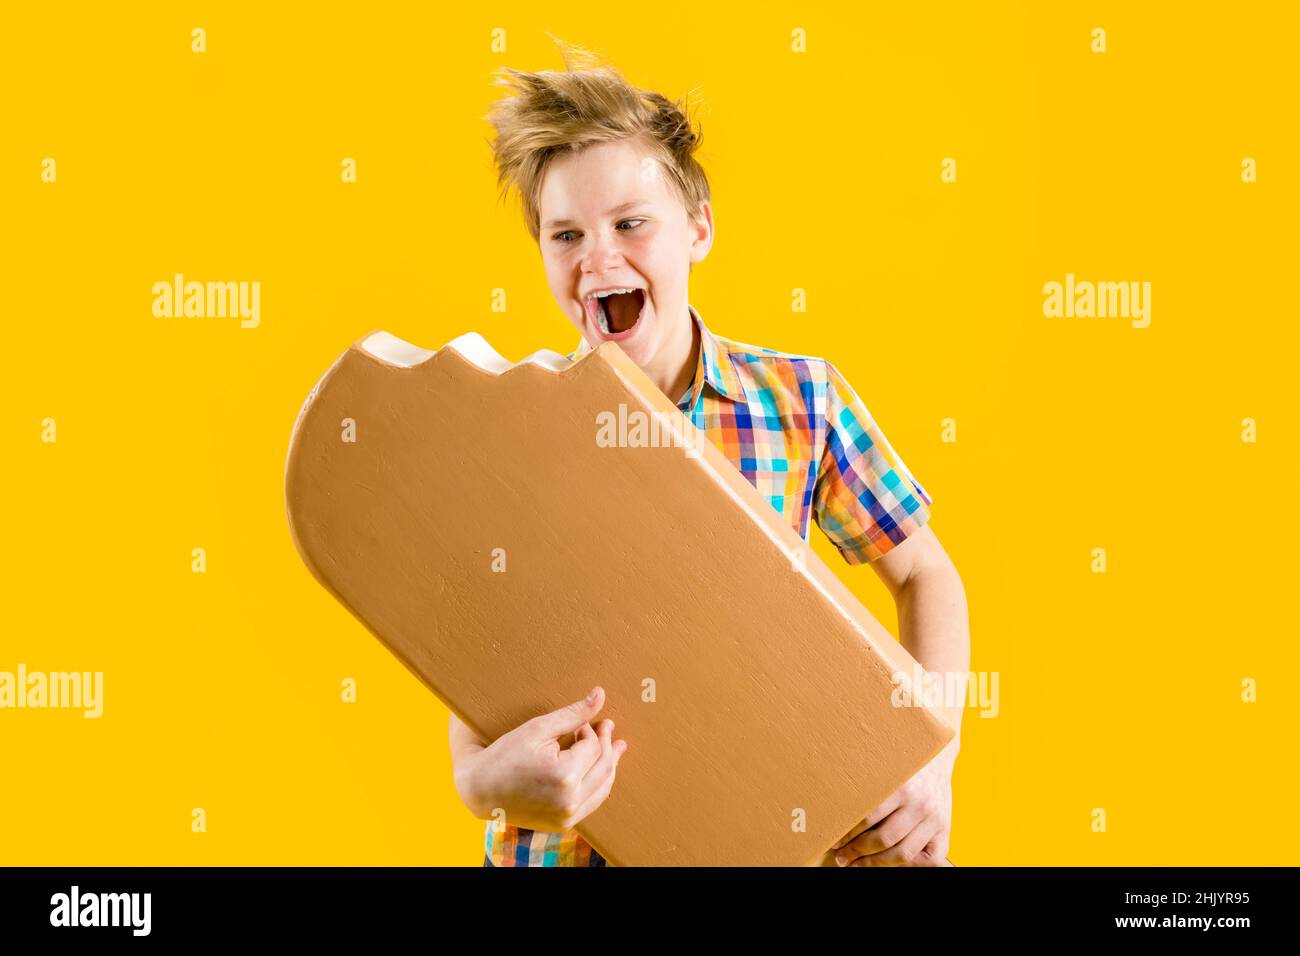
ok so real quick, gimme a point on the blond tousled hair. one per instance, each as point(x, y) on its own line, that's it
point(589, 102)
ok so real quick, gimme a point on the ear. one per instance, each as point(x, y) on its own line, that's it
point(702, 232)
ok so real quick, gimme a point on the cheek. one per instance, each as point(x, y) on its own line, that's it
point(660, 257)
point(558, 272)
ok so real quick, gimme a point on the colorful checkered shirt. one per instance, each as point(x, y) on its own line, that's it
point(796, 430)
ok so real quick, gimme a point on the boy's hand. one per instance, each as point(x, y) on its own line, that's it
point(912, 826)
point(539, 784)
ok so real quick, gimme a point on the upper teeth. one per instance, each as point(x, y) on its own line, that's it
point(601, 316)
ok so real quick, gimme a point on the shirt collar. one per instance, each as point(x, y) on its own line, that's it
point(719, 371)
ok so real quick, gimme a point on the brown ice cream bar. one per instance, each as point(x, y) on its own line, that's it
point(518, 534)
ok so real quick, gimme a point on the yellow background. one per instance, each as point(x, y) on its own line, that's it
point(222, 690)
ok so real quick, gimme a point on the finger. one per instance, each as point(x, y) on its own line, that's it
point(908, 851)
point(598, 797)
point(602, 792)
point(933, 854)
point(585, 751)
point(600, 759)
point(585, 732)
point(570, 717)
point(883, 835)
point(560, 745)
point(570, 740)
point(892, 803)
point(937, 848)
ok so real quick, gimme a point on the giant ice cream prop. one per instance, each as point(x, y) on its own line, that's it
point(517, 534)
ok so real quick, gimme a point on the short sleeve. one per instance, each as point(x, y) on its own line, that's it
point(865, 499)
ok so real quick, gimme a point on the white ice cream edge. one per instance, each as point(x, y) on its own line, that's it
point(471, 346)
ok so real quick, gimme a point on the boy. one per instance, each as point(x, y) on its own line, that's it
point(618, 205)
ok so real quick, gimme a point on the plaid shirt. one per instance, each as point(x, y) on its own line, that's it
point(796, 430)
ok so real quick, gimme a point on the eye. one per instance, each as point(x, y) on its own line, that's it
point(559, 236)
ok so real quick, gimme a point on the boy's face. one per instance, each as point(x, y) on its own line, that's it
point(610, 220)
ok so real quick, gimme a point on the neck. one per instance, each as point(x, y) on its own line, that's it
point(673, 369)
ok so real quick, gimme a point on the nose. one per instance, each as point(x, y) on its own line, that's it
point(601, 254)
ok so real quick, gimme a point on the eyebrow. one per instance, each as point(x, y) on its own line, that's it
point(609, 212)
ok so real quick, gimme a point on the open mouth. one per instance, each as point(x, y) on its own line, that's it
point(616, 310)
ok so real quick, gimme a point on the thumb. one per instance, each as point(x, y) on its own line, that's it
point(570, 717)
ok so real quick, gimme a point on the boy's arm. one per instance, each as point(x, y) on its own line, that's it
point(913, 825)
point(875, 511)
point(933, 622)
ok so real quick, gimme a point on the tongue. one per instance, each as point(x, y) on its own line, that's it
point(623, 309)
